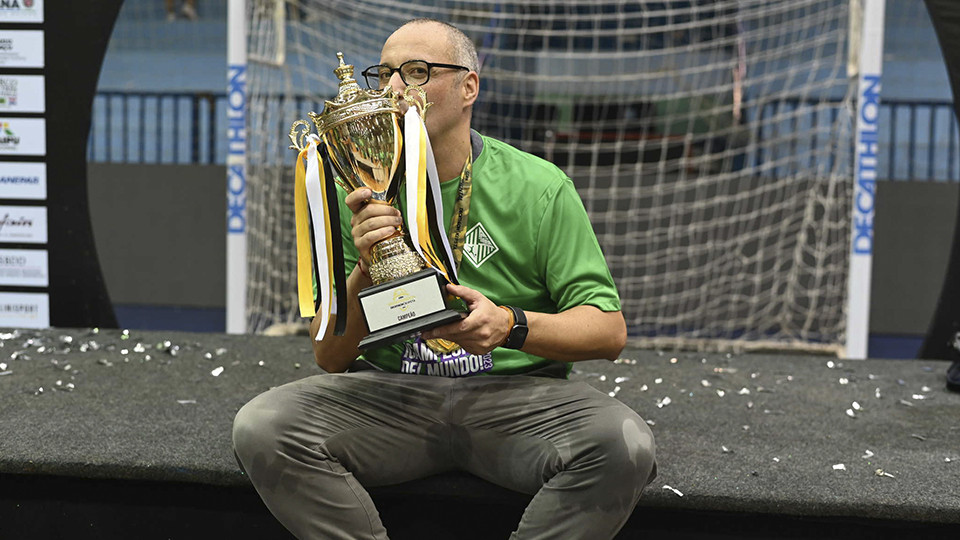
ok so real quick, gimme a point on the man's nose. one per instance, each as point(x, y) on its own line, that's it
point(396, 82)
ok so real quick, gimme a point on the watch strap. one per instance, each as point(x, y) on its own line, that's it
point(518, 332)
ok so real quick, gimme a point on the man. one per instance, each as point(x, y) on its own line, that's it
point(311, 446)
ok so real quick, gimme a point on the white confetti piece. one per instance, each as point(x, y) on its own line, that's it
point(216, 372)
point(673, 489)
point(867, 454)
point(881, 472)
point(839, 467)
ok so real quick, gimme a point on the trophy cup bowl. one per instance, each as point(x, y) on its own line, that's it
point(361, 132)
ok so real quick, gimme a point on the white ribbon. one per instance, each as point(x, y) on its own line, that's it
point(318, 216)
point(411, 150)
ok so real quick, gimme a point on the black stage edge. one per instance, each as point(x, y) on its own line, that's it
point(139, 446)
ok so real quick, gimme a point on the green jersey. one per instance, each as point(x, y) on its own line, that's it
point(529, 244)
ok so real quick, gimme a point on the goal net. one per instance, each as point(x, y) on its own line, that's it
point(711, 143)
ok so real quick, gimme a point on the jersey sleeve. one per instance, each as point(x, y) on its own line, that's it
point(569, 255)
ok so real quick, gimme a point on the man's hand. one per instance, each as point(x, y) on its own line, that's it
point(371, 221)
point(484, 329)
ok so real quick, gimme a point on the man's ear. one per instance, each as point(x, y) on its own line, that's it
point(470, 88)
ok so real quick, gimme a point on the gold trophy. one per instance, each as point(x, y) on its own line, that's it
point(360, 130)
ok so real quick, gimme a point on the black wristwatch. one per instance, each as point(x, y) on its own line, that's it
point(518, 334)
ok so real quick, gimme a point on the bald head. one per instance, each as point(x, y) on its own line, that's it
point(464, 51)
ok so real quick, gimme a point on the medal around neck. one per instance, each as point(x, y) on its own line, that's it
point(358, 144)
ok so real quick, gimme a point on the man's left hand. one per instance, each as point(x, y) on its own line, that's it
point(484, 329)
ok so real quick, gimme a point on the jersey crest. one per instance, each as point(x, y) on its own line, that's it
point(479, 245)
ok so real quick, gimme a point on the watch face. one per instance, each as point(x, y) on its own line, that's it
point(517, 336)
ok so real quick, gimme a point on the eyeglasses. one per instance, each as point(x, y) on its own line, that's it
point(411, 72)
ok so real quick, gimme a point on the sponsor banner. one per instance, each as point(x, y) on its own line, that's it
point(24, 268)
point(25, 11)
point(22, 93)
point(23, 136)
point(21, 48)
point(23, 224)
point(23, 180)
point(24, 310)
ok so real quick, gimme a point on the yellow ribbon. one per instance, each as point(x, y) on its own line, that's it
point(304, 253)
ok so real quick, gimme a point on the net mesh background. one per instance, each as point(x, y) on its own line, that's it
point(711, 143)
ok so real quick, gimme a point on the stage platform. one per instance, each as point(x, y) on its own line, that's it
point(112, 435)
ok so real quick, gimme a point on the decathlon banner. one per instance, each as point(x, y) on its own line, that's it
point(236, 300)
point(866, 161)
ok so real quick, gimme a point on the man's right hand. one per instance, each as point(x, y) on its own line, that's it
point(372, 221)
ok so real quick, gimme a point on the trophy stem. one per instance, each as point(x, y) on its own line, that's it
point(392, 259)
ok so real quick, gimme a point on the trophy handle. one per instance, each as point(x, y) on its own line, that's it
point(419, 100)
point(298, 133)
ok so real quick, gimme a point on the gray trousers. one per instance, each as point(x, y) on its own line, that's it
point(311, 446)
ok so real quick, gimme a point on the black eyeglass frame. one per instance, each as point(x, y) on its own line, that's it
point(430, 65)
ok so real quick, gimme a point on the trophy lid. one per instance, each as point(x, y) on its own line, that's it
point(348, 85)
point(352, 101)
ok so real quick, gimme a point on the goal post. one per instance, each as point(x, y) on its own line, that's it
point(712, 144)
point(237, 109)
point(867, 142)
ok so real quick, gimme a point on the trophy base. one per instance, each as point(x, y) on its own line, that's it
point(402, 308)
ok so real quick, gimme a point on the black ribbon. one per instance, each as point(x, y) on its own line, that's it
point(339, 273)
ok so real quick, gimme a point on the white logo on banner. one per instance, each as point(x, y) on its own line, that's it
point(24, 268)
point(24, 224)
point(24, 310)
point(23, 180)
point(22, 93)
point(21, 48)
point(21, 10)
point(23, 136)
